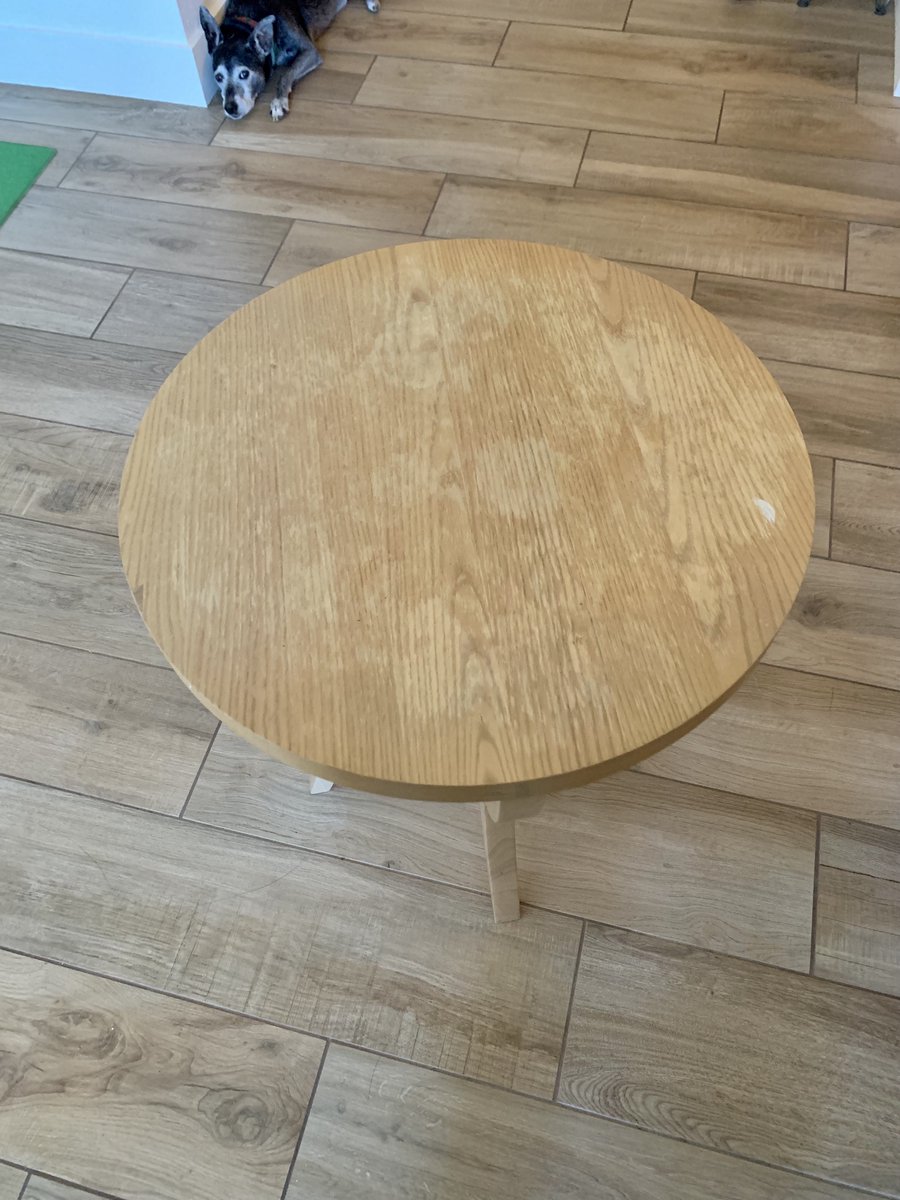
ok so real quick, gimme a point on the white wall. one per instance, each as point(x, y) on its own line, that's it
point(150, 49)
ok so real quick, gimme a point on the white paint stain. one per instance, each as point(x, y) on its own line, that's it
point(766, 509)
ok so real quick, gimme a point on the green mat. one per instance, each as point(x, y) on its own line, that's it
point(19, 168)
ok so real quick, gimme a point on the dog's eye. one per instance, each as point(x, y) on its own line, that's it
point(219, 77)
point(244, 75)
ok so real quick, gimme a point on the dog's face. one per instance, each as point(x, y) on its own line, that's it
point(240, 65)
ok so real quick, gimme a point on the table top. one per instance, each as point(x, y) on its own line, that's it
point(466, 520)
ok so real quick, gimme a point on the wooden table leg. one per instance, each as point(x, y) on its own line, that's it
point(498, 820)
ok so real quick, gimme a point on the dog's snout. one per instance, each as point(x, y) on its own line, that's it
point(231, 107)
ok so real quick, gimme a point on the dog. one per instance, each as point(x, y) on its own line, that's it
point(258, 35)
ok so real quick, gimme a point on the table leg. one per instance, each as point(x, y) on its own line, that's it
point(499, 825)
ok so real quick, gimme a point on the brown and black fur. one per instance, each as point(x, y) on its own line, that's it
point(257, 37)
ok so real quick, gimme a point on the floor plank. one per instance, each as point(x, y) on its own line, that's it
point(120, 730)
point(171, 312)
point(145, 233)
point(844, 414)
point(311, 244)
point(873, 260)
point(823, 481)
point(845, 623)
point(863, 849)
point(876, 81)
point(113, 114)
point(67, 586)
point(773, 22)
point(50, 1189)
point(55, 295)
point(798, 739)
point(594, 14)
point(577, 101)
point(247, 181)
point(811, 325)
point(119, 1088)
point(60, 473)
point(11, 1181)
point(867, 515)
point(639, 229)
point(421, 141)
point(428, 35)
point(68, 144)
point(858, 930)
point(731, 875)
point(777, 180)
point(350, 952)
point(337, 81)
point(79, 382)
point(741, 66)
point(409, 1132)
point(811, 126)
point(687, 1043)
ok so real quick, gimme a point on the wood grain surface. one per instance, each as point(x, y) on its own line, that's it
point(858, 930)
point(867, 515)
point(121, 730)
point(79, 382)
point(476, 620)
point(823, 482)
point(389, 963)
point(381, 1128)
point(54, 294)
point(423, 35)
point(595, 14)
point(766, 1064)
point(62, 474)
point(873, 260)
point(68, 144)
point(845, 623)
point(692, 864)
point(767, 245)
point(11, 1182)
point(145, 1094)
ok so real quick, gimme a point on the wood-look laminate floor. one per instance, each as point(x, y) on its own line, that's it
point(213, 984)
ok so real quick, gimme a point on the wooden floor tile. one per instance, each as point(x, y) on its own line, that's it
point(114, 114)
point(639, 229)
point(776, 180)
point(823, 481)
point(409, 1132)
point(731, 875)
point(845, 623)
point(171, 312)
point(144, 233)
point(867, 515)
point(312, 244)
point(873, 260)
point(67, 586)
point(119, 1088)
point(858, 931)
point(811, 126)
point(812, 325)
point(350, 952)
point(275, 185)
point(594, 14)
point(55, 295)
point(11, 1181)
point(741, 66)
point(51, 1189)
point(79, 382)
point(430, 35)
point(768, 1064)
point(116, 729)
point(682, 281)
point(798, 739)
point(337, 81)
point(876, 81)
point(60, 473)
point(844, 414)
point(68, 144)
point(576, 101)
point(773, 22)
point(424, 141)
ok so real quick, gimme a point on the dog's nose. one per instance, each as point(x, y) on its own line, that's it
point(231, 108)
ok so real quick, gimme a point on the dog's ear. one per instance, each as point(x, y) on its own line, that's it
point(263, 37)
point(210, 28)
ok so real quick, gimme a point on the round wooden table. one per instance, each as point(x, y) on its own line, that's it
point(466, 520)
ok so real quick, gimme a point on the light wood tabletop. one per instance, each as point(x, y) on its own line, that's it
point(466, 520)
